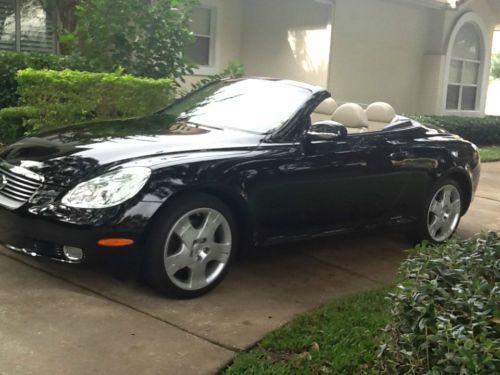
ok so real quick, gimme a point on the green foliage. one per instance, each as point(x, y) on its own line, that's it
point(340, 338)
point(443, 315)
point(146, 38)
point(481, 131)
point(234, 69)
point(56, 98)
point(13, 122)
point(11, 62)
point(490, 154)
point(495, 66)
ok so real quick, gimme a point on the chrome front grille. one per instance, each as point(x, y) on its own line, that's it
point(17, 185)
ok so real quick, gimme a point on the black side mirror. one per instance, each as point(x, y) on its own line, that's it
point(327, 131)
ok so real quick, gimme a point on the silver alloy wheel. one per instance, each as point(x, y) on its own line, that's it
point(444, 213)
point(197, 249)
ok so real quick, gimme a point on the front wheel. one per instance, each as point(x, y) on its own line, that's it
point(442, 212)
point(192, 247)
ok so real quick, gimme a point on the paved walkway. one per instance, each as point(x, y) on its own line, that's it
point(56, 319)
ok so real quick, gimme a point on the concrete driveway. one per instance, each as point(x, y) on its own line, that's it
point(57, 319)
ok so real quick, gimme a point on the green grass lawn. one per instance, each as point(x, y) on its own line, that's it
point(340, 338)
point(490, 154)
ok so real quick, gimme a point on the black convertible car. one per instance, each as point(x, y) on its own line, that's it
point(241, 161)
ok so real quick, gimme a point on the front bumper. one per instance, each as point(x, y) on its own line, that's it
point(43, 236)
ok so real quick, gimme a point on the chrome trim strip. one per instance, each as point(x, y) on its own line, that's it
point(22, 172)
point(20, 185)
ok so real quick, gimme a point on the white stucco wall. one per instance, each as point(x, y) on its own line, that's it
point(486, 16)
point(389, 50)
point(287, 39)
point(378, 49)
point(396, 51)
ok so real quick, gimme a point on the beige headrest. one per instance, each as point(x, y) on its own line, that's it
point(351, 115)
point(380, 112)
point(327, 107)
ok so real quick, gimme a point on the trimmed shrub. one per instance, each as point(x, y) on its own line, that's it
point(14, 122)
point(12, 62)
point(67, 97)
point(443, 315)
point(481, 131)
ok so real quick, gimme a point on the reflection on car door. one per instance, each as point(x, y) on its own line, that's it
point(334, 184)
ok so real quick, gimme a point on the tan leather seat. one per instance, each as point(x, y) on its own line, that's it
point(379, 115)
point(352, 116)
point(324, 111)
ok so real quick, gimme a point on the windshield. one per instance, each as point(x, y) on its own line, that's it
point(253, 105)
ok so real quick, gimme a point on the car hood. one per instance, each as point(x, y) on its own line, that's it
point(69, 154)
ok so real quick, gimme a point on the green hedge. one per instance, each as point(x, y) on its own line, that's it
point(56, 98)
point(13, 122)
point(481, 131)
point(12, 62)
point(445, 312)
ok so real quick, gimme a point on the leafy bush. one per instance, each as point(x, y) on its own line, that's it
point(481, 131)
point(12, 62)
point(55, 98)
point(14, 122)
point(234, 69)
point(146, 38)
point(443, 316)
point(495, 66)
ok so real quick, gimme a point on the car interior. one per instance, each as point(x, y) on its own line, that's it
point(376, 117)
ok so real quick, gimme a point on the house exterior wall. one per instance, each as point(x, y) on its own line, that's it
point(486, 17)
point(398, 51)
point(361, 50)
point(287, 39)
point(378, 49)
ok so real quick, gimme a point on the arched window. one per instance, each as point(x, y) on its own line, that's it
point(466, 65)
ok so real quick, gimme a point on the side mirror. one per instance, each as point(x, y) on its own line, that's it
point(327, 131)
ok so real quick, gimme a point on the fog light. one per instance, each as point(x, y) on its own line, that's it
point(73, 254)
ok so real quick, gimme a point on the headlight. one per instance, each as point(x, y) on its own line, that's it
point(108, 190)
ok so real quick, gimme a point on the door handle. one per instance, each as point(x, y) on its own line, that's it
point(399, 156)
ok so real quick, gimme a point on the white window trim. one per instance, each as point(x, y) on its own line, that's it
point(213, 67)
point(475, 20)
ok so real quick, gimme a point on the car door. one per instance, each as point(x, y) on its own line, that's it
point(354, 180)
point(326, 185)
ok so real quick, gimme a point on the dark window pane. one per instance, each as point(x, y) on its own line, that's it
point(37, 27)
point(202, 19)
point(452, 97)
point(7, 25)
point(199, 51)
point(469, 98)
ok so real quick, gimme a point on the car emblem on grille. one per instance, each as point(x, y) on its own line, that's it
point(3, 182)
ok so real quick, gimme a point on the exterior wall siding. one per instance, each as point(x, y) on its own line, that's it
point(287, 39)
point(378, 52)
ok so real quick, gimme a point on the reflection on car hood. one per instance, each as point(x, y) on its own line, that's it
point(68, 154)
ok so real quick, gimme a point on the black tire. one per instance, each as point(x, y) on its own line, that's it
point(155, 263)
point(422, 231)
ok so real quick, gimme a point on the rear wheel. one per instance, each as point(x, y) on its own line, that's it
point(192, 247)
point(442, 212)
